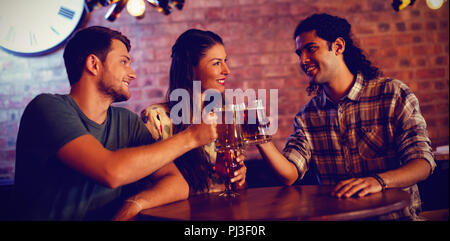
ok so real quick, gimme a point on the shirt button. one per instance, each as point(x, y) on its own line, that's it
point(348, 169)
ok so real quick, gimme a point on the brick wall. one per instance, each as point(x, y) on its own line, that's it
point(411, 45)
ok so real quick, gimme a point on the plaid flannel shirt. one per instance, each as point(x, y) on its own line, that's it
point(375, 128)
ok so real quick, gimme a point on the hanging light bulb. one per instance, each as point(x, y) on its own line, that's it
point(435, 4)
point(136, 8)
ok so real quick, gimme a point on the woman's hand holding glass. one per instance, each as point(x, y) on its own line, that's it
point(239, 175)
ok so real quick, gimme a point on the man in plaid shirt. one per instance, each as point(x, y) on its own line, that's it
point(362, 132)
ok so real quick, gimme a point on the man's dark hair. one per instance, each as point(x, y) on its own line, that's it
point(92, 40)
point(330, 28)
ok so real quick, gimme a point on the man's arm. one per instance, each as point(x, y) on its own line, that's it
point(409, 174)
point(285, 169)
point(292, 164)
point(169, 186)
point(116, 168)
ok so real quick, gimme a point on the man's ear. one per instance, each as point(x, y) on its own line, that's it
point(339, 46)
point(93, 64)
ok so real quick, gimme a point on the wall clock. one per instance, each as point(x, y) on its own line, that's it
point(30, 28)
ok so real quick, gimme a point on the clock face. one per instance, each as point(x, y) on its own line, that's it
point(31, 27)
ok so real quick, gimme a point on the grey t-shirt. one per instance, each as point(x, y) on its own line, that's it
point(46, 188)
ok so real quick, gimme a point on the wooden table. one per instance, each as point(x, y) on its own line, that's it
point(280, 203)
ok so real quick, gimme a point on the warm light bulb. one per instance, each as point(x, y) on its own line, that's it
point(435, 4)
point(136, 8)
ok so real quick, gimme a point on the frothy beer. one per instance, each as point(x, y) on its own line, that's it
point(255, 126)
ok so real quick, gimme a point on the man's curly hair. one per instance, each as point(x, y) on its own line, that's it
point(330, 28)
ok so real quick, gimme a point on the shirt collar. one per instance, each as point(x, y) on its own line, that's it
point(356, 90)
point(353, 94)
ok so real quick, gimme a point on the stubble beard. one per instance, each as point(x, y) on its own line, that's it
point(116, 94)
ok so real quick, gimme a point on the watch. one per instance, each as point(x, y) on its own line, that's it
point(30, 28)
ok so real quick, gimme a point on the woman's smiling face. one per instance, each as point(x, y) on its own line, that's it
point(212, 69)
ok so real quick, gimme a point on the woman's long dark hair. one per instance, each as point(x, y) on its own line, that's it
point(187, 51)
point(330, 28)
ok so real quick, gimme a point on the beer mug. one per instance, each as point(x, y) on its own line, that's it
point(228, 130)
point(255, 128)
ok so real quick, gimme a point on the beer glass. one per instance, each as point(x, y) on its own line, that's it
point(228, 144)
point(256, 125)
point(228, 130)
point(226, 165)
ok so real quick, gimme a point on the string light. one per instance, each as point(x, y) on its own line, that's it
point(435, 4)
point(136, 8)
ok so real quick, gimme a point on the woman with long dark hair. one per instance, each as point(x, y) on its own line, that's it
point(196, 55)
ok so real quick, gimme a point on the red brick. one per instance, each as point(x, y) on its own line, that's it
point(279, 70)
point(258, 41)
point(275, 83)
point(443, 36)
point(387, 63)
point(427, 49)
point(428, 109)
point(407, 38)
point(215, 14)
point(401, 27)
point(154, 93)
point(384, 27)
point(431, 26)
point(246, 73)
point(430, 73)
point(364, 29)
point(186, 16)
point(381, 40)
point(2, 143)
point(7, 155)
point(441, 60)
point(440, 85)
point(296, 82)
point(136, 94)
point(205, 3)
point(401, 74)
point(416, 26)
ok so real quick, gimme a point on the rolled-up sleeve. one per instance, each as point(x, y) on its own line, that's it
point(297, 149)
point(411, 134)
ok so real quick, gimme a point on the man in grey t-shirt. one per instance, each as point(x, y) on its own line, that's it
point(75, 152)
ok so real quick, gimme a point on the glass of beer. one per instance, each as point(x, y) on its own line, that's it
point(226, 165)
point(256, 124)
point(228, 130)
point(228, 144)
